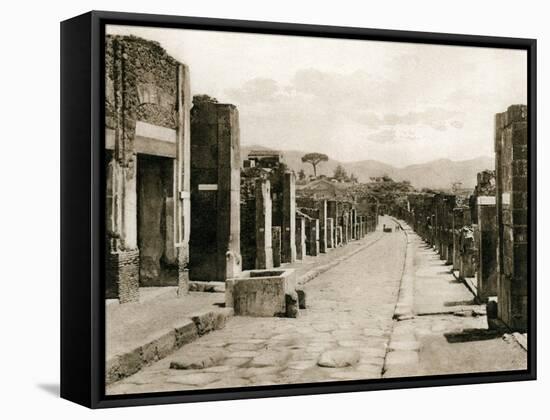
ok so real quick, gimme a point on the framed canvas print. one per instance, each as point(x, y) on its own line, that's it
point(255, 209)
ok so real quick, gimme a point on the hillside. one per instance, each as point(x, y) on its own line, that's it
point(439, 173)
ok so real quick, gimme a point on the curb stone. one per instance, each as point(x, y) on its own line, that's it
point(165, 342)
point(403, 350)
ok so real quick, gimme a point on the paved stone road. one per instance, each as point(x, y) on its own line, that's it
point(349, 317)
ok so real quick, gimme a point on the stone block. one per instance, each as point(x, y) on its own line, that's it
point(122, 276)
point(260, 292)
point(301, 298)
point(186, 333)
point(201, 361)
point(292, 304)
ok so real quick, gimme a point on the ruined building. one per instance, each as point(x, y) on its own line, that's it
point(147, 158)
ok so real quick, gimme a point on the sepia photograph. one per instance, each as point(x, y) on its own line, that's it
point(284, 209)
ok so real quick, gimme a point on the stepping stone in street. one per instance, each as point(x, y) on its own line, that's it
point(302, 364)
point(195, 379)
point(339, 358)
point(351, 343)
point(404, 345)
point(270, 358)
point(220, 369)
point(197, 361)
point(241, 354)
point(243, 347)
point(259, 371)
point(236, 361)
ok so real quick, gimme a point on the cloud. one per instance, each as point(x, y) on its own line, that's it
point(321, 110)
point(256, 90)
point(383, 136)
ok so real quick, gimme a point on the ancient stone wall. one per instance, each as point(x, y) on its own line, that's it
point(215, 192)
point(512, 215)
point(146, 112)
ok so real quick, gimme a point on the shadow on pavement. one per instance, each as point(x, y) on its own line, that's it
point(460, 303)
point(473, 334)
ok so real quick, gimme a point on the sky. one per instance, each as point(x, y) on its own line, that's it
point(398, 103)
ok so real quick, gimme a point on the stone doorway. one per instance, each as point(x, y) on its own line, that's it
point(155, 221)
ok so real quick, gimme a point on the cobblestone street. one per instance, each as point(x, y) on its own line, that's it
point(349, 318)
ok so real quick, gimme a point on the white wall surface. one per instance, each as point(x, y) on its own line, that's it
point(29, 211)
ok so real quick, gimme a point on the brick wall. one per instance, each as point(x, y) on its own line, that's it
point(122, 276)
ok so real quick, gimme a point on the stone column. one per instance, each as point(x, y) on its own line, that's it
point(330, 233)
point(352, 221)
point(300, 237)
point(322, 207)
point(122, 253)
point(458, 223)
point(264, 251)
point(288, 239)
point(451, 203)
point(182, 179)
point(345, 227)
point(312, 237)
point(276, 245)
point(215, 192)
point(512, 215)
point(332, 212)
point(487, 275)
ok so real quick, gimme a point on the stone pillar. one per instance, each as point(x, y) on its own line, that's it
point(215, 192)
point(122, 254)
point(487, 274)
point(512, 215)
point(449, 236)
point(300, 237)
point(338, 235)
point(345, 227)
point(332, 212)
point(288, 239)
point(352, 224)
point(330, 233)
point(276, 245)
point(356, 224)
point(182, 179)
point(312, 237)
point(322, 207)
point(458, 223)
point(264, 251)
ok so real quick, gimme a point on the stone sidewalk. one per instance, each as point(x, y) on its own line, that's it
point(446, 332)
point(140, 333)
point(342, 335)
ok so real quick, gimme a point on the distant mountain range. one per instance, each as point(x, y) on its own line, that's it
point(437, 174)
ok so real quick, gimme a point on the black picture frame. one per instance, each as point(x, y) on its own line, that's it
point(82, 227)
